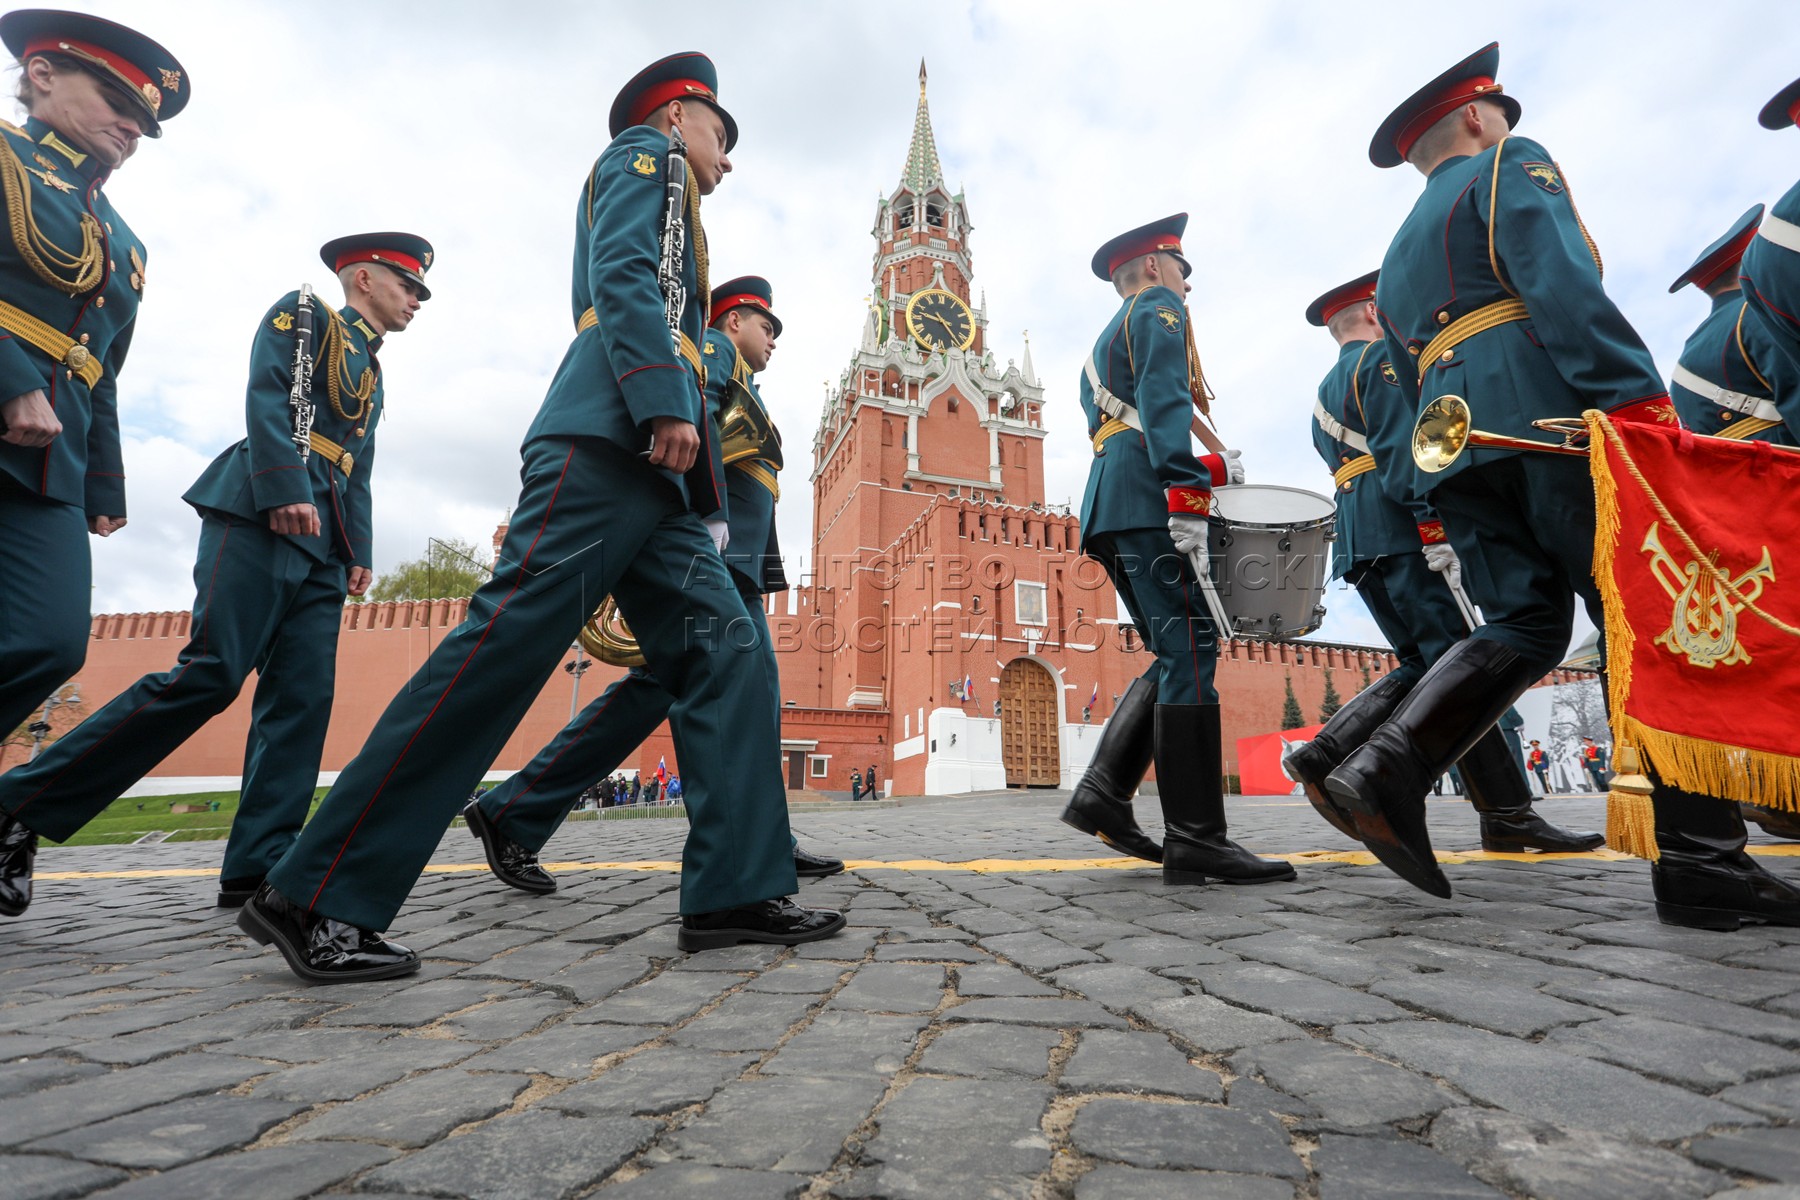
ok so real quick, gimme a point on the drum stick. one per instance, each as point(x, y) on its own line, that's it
point(1207, 437)
point(1464, 603)
point(1221, 623)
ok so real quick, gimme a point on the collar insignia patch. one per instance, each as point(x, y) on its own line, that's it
point(1545, 175)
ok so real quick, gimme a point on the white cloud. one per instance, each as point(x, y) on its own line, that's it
point(475, 125)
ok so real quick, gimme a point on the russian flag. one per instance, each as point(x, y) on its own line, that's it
point(968, 687)
point(1095, 698)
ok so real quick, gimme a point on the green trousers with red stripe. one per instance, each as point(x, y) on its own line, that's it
point(1159, 590)
point(261, 604)
point(534, 802)
point(592, 520)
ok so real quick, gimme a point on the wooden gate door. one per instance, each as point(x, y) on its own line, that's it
point(1028, 734)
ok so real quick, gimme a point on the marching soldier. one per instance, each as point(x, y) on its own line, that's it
point(71, 276)
point(1399, 560)
point(1491, 291)
point(283, 536)
point(1143, 517)
point(515, 819)
point(1771, 267)
point(1730, 370)
point(619, 469)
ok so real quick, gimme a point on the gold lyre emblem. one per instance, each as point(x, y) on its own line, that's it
point(643, 164)
point(283, 322)
point(1703, 627)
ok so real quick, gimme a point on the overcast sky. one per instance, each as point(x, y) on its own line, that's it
point(474, 124)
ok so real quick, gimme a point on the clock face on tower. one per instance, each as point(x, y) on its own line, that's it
point(939, 320)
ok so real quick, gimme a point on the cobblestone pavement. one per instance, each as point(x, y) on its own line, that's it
point(1048, 1028)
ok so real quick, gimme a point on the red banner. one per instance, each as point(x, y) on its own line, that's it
point(1259, 762)
point(1698, 561)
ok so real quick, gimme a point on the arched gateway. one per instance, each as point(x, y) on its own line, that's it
point(1028, 725)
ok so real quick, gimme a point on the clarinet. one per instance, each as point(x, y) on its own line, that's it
point(674, 235)
point(300, 394)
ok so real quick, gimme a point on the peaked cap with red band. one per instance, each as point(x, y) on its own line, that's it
point(407, 253)
point(1469, 80)
point(1158, 237)
point(122, 57)
point(1783, 110)
point(746, 291)
point(1723, 254)
point(687, 76)
point(1320, 311)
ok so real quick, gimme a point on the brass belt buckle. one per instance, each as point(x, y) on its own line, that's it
point(76, 357)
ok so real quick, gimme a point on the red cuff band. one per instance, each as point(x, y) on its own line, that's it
point(1190, 502)
point(1651, 410)
point(1432, 532)
point(1216, 470)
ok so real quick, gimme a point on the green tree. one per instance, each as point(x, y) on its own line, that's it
point(1291, 716)
point(449, 570)
point(1332, 702)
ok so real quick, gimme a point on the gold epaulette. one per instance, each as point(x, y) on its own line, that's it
point(1112, 426)
point(333, 453)
point(1360, 465)
point(1488, 316)
point(689, 352)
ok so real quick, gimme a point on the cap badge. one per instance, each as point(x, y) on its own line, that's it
point(171, 79)
point(152, 96)
point(426, 258)
point(1545, 176)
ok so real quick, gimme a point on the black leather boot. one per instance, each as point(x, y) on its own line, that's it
point(18, 850)
point(1385, 782)
point(1774, 821)
point(1310, 762)
point(1190, 783)
point(1101, 805)
point(1496, 785)
point(1704, 879)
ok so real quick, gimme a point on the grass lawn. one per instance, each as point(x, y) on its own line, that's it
point(127, 820)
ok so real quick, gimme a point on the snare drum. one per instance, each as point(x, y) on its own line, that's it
point(1271, 558)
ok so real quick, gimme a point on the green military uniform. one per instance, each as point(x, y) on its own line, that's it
point(592, 519)
point(1138, 394)
point(1491, 289)
point(1381, 548)
point(264, 601)
point(71, 278)
point(1730, 370)
point(1770, 273)
point(532, 804)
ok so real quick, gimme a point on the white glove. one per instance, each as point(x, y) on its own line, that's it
point(1234, 466)
point(1440, 557)
point(721, 534)
point(1189, 533)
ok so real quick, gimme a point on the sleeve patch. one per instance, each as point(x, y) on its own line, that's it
point(1388, 373)
point(641, 163)
point(1545, 175)
point(282, 321)
point(1169, 318)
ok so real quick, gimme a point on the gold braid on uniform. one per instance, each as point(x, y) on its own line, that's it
point(701, 284)
point(1587, 237)
point(334, 353)
point(72, 274)
point(1202, 392)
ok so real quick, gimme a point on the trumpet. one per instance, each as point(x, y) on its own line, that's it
point(1444, 431)
point(609, 639)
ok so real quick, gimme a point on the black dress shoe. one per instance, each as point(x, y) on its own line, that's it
point(511, 863)
point(18, 850)
point(234, 893)
point(779, 921)
point(808, 865)
point(1529, 831)
point(319, 949)
point(1722, 894)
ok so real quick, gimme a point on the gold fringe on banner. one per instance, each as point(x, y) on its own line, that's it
point(1713, 768)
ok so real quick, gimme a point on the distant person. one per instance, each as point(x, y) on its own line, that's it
point(1593, 760)
point(869, 781)
point(1539, 762)
point(855, 785)
point(637, 787)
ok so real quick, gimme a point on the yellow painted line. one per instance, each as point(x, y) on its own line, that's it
point(1012, 866)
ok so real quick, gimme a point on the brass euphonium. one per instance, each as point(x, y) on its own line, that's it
point(1444, 431)
point(745, 431)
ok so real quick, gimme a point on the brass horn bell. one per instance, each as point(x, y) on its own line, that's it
point(1444, 430)
point(609, 639)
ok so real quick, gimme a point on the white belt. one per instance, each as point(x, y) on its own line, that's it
point(1335, 429)
point(1739, 402)
point(1108, 403)
point(1785, 234)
